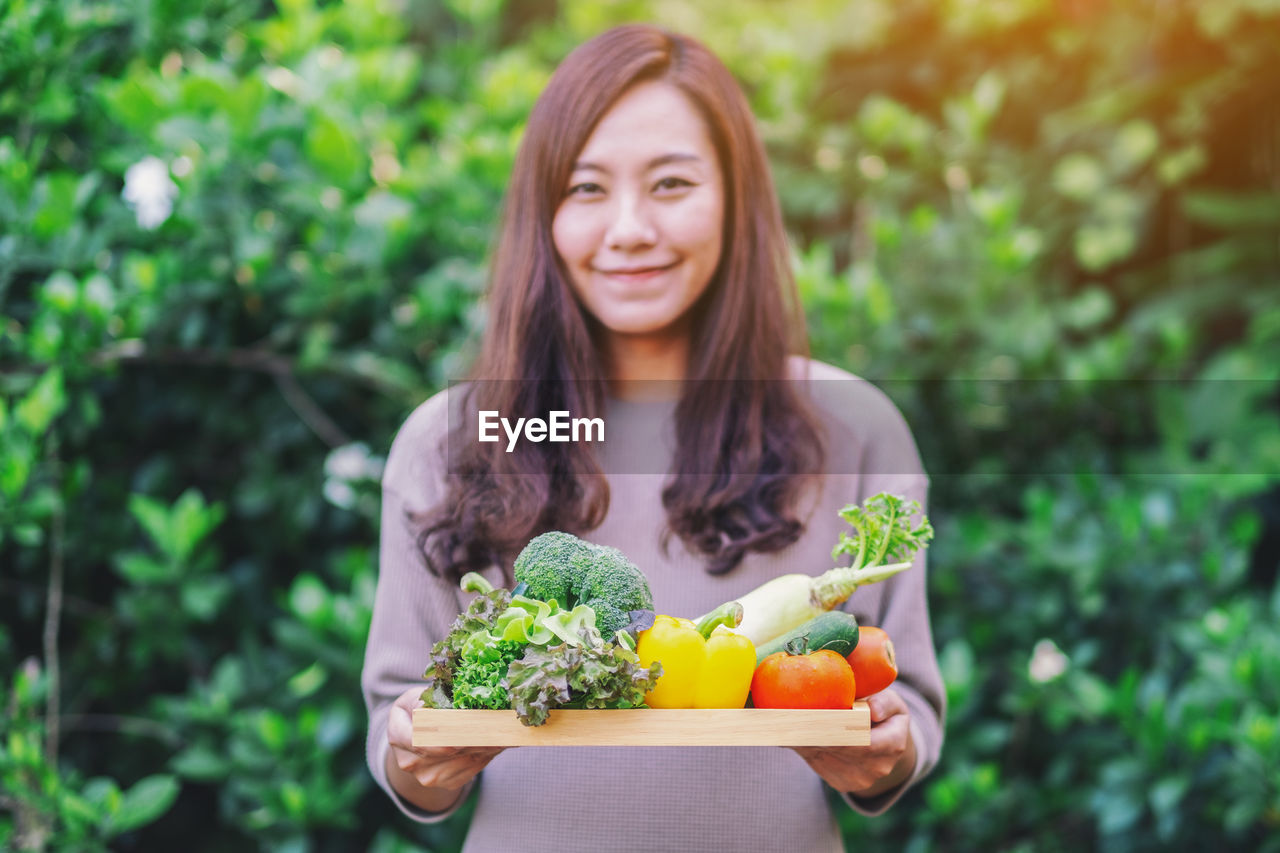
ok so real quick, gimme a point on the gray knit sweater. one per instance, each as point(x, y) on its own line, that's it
point(658, 798)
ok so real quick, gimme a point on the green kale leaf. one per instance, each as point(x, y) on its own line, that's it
point(592, 674)
point(447, 654)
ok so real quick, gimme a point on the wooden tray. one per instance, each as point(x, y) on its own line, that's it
point(646, 727)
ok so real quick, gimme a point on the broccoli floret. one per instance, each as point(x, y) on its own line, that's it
point(611, 585)
point(562, 567)
point(544, 565)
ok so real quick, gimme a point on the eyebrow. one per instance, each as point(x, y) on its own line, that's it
point(676, 157)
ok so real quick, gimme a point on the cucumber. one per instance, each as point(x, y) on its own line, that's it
point(834, 630)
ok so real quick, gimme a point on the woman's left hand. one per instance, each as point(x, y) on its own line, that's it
point(865, 771)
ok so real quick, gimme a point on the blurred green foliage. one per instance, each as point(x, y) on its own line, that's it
point(242, 240)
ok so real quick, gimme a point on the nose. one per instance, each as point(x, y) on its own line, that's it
point(632, 226)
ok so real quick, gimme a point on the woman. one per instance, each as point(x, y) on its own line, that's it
point(642, 276)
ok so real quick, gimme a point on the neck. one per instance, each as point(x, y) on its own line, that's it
point(644, 368)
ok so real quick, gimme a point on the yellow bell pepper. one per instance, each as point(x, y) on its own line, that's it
point(704, 665)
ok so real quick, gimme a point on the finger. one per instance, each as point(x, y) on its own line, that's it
point(426, 767)
point(399, 730)
point(844, 770)
point(486, 753)
point(449, 778)
point(419, 760)
point(885, 704)
point(890, 737)
point(438, 755)
point(819, 761)
point(453, 773)
point(408, 759)
point(400, 734)
point(409, 699)
point(826, 761)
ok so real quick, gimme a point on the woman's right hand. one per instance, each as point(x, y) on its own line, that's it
point(430, 777)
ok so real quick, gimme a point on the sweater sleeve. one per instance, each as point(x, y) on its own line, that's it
point(892, 464)
point(412, 607)
point(904, 616)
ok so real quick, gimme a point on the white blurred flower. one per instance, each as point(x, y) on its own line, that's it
point(1047, 662)
point(339, 493)
point(873, 167)
point(149, 191)
point(957, 177)
point(1216, 622)
point(352, 462)
point(284, 81)
point(827, 158)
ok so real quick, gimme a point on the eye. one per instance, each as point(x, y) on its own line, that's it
point(587, 187)
point(672, 183)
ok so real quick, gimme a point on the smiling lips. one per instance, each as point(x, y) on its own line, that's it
point(637, 273)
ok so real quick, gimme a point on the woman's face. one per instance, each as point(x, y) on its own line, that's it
point(639, 227)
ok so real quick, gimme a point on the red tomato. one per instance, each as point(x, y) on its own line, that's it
point(821, 679)
point(872, 660)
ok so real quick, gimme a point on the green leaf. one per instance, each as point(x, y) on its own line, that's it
point(16, 460)
point(154, 518)
point(201, 763)
point(957, 665)
point(44, 402)
point(143, 803)
point(1230, 211)
point(273, 730)
point(57, 210)
point(85, 189)
point(61, 292)
point(250, 97)
point(102, 792)
point(385, 372)
point(229, 681)
point(1167, 793)
point(309, 598)
point(178, 530)
point(204, 597)
point(133, 104)
point(334, 151)
point(78, 811)
point(142, 570)
point(295, 8)
point(1117, 812)
point(882, 531)
point(1136, 142)
point(1078, 176)
point(1092, 307)
point(989, 93)
point(1241, 815)
point(334, 728)
point(1092, 695)
point(98, 296)
point(1177, 167)
point(1099, 246)
point(308, 681)
point(888, 125)
point(294, 799)
point(191, 520)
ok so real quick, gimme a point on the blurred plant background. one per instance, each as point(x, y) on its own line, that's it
point(240, 240)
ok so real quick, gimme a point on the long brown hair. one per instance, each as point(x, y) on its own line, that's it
point(746, 441)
